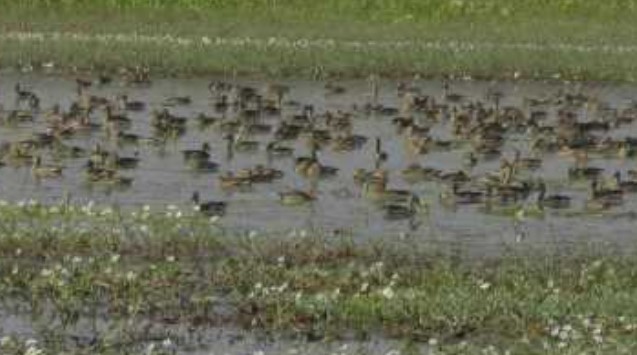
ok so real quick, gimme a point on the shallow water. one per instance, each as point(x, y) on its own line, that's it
point(163, 178)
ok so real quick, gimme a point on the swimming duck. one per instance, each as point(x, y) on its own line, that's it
point(461, 197)
point(276, 149)
point(404, 210)
point(24, 95)
point(625, 185)
point(125, 104)
point(177, 101)
point(232, 181)
point(197, 154)
point(209, 208)
point(552, 201)
point(296, 197)
point(44, 171)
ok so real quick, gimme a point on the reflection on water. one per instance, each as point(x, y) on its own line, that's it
point(162, 177)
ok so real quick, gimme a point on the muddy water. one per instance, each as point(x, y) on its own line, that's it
point(163, 178)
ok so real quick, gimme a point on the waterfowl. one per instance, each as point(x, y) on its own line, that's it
point(362, 176)
point(416, 173)
point(114, 161)
point(377, 191)
point(206, 121)
point(526, 163)
point(177, 101)
point(585, 172)
point(625, 185)
point(310, 167)
point(461, 197)
point(296, 197)
point(125, 104)
point(44, 171)
point(262, 174)
point(238, 144)
point(605, 193)
point(231, 181)
point(102, 175)
point(116, 118)
point(404, 210)
point(276, 149)
point(450, 96)
point(197, 154)
point(276, 93)
point(348, 142)
point(24, 95)
point(209, 208)
point(552, 201)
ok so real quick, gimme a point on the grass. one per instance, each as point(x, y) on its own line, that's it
point(106, 274)
point(499, 38)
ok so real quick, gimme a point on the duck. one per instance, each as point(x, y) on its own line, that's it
point(209, 208)
point(554, 201)
point(102, 175)
point(177, 101)
point(362, 176)
point(24, 95)
point(377, 191)
point(114, 161)
point(206, 121)
point(310, 167)
point(297, 197)
point(415, 173)
point(526, 163)
point(348, 142)
point(461, 197)
point(625, 185)
point(116, 118)
point(44, 171)
point(276, 149)
point(399, 211)
point(197, 154)
point(231, 181)
point(604, 193)
point(127, 105)
point(238, 144)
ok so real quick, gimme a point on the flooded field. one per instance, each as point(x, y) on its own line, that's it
point(450, 148)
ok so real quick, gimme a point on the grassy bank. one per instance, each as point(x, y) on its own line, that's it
point(498, 38)
point(108, 274)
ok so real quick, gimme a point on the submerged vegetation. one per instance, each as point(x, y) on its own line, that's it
point(105, 280)
point(498, 38)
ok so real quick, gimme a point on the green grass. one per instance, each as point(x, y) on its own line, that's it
point(544, 23)
point(67, 268)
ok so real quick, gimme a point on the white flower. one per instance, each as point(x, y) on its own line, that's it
point(170, 258)
point(114, 258)
point(205, 40)
point(76, 260)
point(46, 272)
point(388, 293)
point(432, 342)
point(130, 276)
point(364, 287)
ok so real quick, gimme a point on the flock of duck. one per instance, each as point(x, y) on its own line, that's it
point(571, 125)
